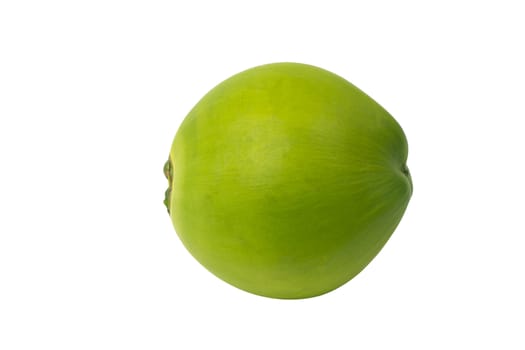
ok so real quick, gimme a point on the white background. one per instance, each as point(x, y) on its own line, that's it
point(92, 93)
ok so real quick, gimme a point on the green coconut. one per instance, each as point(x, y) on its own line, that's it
point(286, 180)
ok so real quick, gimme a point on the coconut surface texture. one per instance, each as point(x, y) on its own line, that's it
point(286, 180)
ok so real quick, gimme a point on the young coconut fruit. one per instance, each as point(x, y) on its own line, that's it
point(286, 180)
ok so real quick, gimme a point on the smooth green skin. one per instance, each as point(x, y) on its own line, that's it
point(286, 180)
